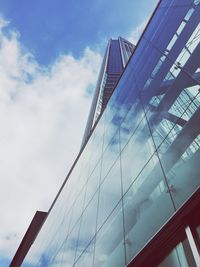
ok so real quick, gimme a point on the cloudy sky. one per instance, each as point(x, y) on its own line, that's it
point(50, 54)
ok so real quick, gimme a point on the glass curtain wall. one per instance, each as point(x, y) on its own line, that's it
point(141, 162)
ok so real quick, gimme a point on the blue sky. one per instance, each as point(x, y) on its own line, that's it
point(50, 55)
point(52, 27)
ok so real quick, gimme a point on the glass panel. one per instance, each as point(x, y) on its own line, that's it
point(181, 165)
point(77, 209)
point(88, 225)
point(175, 109)
point(189, 46)
point(110, 193)
point(130, 123)
point(68, 250)
point(109, 249)
point(56, 241)
point(86, 259)
point(93, 184)
point(147, 195)
point(110, 155)
point(135, 153)
point(94, 145)
point(187, 103)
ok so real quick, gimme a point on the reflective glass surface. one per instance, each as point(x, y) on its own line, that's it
point(142, 157)
point(109, 248)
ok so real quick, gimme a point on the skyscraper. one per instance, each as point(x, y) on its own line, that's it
point(132, 197)
point(116, 57)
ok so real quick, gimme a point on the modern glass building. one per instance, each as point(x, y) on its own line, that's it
point(116, 57)
point(132, 197)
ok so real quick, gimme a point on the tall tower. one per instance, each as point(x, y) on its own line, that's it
point(115, 59)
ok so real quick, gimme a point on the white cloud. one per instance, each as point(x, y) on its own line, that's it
point(3, 23)
point(134, 36)
point(43, 112)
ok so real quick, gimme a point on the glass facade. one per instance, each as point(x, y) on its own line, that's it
point(141, 163)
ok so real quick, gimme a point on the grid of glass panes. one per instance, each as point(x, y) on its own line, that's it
point(133, 164)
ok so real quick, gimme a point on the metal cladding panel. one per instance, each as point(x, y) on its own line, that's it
point(28, 238)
